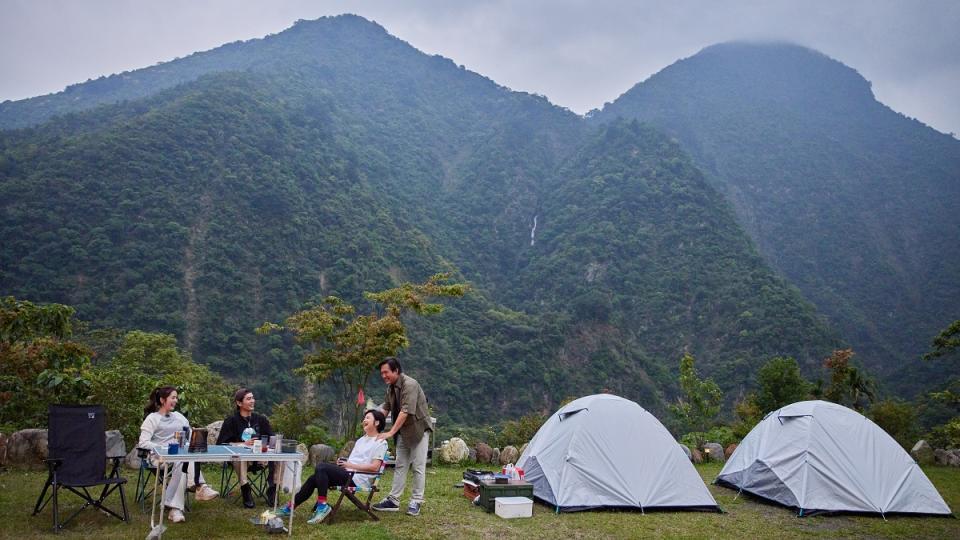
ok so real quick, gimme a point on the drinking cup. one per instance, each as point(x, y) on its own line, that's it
point(173, 448)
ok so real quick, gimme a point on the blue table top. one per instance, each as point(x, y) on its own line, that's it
point(222, 452)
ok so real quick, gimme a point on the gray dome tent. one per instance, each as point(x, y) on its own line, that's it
point(818, 456)
point(607, 451)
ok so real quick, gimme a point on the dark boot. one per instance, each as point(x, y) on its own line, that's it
point(271, 494)
point(247, 493)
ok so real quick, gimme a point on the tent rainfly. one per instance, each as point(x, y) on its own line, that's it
point(820, 457)
point(607, 451)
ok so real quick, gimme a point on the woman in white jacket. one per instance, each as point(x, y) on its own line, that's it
point(157, 431)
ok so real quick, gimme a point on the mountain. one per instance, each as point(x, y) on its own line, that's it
point(850, 201)
point(207, 195)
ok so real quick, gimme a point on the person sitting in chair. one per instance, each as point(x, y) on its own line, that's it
point(244, 426)
point(358, 470)
point(159, 427)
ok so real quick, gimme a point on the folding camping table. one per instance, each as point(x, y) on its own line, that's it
point(219, 454)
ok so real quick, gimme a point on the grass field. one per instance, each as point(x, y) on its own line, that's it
point(448, 514)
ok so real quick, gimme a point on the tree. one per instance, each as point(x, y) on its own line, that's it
point(898, 419)
point(849, 385)
point(946, 342)
point(346, 348)
point(780, 383)
point(39, 364)
point(145, 361)
point(699, 403)
point(748, 415)
point(943, 345)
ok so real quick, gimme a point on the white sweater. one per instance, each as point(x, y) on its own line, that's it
point(157, 429)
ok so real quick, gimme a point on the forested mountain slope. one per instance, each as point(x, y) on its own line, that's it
point(853, 203)
point(341, 160)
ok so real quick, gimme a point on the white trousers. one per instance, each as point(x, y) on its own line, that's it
point(177, 486)
point(413, 458)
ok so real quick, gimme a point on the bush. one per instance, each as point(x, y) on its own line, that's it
point(145, 361)
point(39, 364)
point(722, 435)
point(519, 432)
point(301, 422)
point(897, 418)
point(779, 383)
point(946, 436)
point(748, 416)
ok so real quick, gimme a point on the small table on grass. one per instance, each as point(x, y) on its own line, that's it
point(218, 453)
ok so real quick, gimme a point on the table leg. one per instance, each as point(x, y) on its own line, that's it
point(153, 505)
point(297, 472)
point(163, 488)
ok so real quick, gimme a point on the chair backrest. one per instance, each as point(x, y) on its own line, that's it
point(76, 436)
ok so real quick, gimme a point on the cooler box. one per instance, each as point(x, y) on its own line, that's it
point(490, 491)
point(514, 507)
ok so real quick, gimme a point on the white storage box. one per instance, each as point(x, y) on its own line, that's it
point(514, 507)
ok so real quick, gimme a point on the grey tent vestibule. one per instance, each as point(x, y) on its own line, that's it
point(819, 457)
point(604, 451)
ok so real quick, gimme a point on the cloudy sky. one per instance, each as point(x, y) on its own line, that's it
point(579, 54)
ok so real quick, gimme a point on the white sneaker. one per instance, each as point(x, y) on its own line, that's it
point(176, 516)
point(206, 493)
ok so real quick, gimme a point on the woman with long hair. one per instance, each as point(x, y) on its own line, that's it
point(159, 427)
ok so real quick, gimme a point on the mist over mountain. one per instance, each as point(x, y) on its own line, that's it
point(204, 196)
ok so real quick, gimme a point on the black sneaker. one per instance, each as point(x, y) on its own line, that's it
point(413, 509)
point(386, 505)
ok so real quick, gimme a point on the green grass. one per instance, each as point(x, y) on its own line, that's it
point(448, 514)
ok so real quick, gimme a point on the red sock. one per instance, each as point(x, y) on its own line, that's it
point(321, 500)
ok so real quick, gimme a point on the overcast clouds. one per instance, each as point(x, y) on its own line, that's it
point(580, 54)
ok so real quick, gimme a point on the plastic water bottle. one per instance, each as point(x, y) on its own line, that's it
point(247, 434)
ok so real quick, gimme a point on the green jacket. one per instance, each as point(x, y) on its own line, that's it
point(413, 402)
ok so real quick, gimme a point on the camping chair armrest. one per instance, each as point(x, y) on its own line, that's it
point(53, 463)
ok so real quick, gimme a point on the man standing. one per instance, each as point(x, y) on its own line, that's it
point(244, 426)
point(411, 420)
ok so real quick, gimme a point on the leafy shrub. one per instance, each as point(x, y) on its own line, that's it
point(718, 434)
point(780, 383)
point(145, 361)
point(897, 418)
point(39, 364)
point(748, 414)
point(519, 432)
point(946, 436)
point(296, 420)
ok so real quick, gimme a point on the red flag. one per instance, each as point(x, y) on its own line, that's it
point(360, 399)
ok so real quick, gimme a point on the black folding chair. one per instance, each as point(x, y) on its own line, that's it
point(77, 461)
